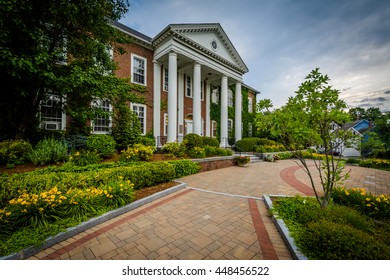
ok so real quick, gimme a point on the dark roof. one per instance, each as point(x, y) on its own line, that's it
point(132, 32)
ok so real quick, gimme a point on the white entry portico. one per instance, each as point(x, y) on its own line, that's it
point(197, 59)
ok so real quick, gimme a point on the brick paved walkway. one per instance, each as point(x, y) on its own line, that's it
point(219, 215)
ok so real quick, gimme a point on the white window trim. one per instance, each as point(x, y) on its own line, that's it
point(63, 115)
point(230, 98)
point(145, 70)
point(165, 82)
point(143, 132)
point(110, 118)
point(165, 124)
point(212, 128)
point(250, 104)
point(191, 87)
point(231, 124)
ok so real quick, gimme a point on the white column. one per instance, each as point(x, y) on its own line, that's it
point(172, 97)
point(207, 90)
point(238, 111)
point(196, 101)
point(180, 112)
point(224, 112)
point(157, 102)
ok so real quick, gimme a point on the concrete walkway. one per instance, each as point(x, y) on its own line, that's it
point(219, 215)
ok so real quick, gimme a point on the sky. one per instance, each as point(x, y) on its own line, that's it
point(281, 41)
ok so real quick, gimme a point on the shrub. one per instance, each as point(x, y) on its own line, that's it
point(147, 140)
point(196, 152)
point(173, 148)
point(353, 161)
point(377, 207)
point(216, 151)
point(49, 151)
point(30, 209)
point(265, 142)
point(247, 144)
point(136, 153)
point(326, 240)
point(84, 157)
point(185, 167)
point(192, 140)
point(14, 152)
point(285, 155)
point(336, 232)
point(375, 163)
point(210, 141)
point(102, 144)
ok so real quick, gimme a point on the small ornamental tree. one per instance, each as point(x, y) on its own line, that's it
point(306, 121)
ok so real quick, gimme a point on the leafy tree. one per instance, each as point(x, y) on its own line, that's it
point(61, 47)
point(306, 121)
point(373, 142)
point(357, 113)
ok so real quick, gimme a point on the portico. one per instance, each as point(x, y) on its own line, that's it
point(190, 61)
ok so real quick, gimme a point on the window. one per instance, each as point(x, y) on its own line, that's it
point(230, 127)
point(165, 79)
point(201, 90)
point(249, 129)
point(250, 105)
point(102, 123)
point(51, 113)
point(230, 98)
point(140, 110)
point(214, 126)
point(139, 70)
point(215, 96)
point(165, 124)
point(188, 86)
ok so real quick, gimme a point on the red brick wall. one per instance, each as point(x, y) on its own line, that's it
point(124, 71)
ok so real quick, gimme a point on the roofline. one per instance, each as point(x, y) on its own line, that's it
point(252, 89)
point(132, 32)
point(211, 25)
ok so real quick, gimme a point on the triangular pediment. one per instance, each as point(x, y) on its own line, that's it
point(208, 38)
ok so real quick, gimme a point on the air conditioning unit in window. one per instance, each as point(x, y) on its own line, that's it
point(51, 126)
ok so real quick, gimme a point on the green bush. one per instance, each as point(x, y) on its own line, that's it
point(326, 240)
point(285, 155)
point(49, 151)
point(14, 152)
point(147, 140)
point(336, 232)
point(174, 148)
point(196, 152)
point(353, 161)
point(185, 167)
point(247, 144)
point(210, 141)
point(39, 209)
point(192, 140)
point(136, 153)
point(266, 142)
point(103, 144)
point(84, 157)
point(377, 207)
point(216, 151)
point(375, 163)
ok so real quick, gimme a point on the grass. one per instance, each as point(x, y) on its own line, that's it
point(337, 232)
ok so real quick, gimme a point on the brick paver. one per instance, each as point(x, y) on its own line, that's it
point(220, 215)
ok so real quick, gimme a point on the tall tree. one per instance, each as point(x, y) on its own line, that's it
point(55, 46)
point(305, 121)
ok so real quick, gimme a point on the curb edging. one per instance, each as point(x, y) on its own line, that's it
point(283, 230)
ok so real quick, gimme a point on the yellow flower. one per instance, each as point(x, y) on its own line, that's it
point(369, 205)
point(368, 199)
point(346, 192)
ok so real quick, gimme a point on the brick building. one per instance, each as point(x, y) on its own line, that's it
point(192, 73)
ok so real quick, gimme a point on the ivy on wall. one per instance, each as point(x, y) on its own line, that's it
point(246, 116)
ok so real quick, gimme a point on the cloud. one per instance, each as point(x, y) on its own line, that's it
point(282, 41)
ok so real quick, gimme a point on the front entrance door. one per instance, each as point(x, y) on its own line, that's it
point(189, 127)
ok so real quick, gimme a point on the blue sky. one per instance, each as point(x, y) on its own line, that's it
point(281, 41)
